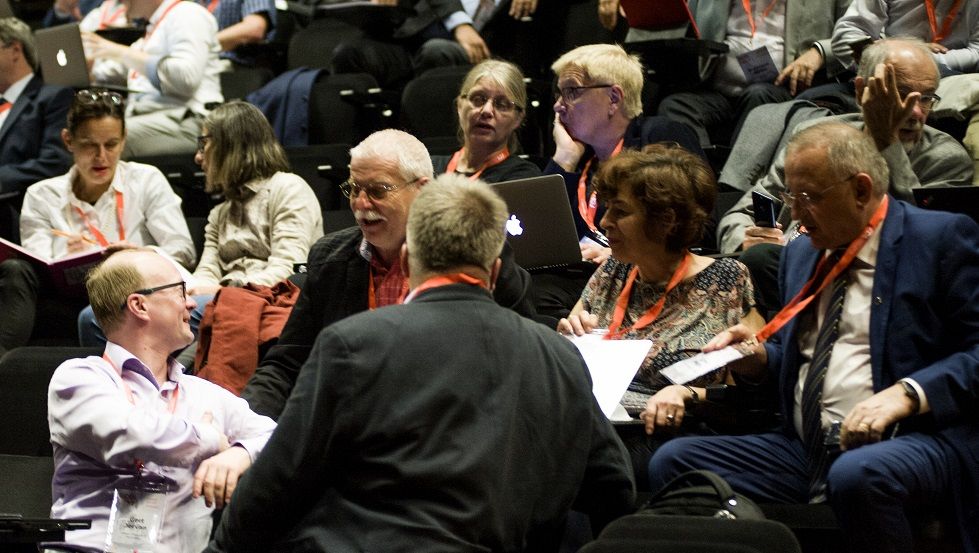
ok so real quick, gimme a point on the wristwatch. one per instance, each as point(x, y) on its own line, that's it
point(912, 393)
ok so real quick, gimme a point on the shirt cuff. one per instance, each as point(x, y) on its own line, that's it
point(455, 19)
point(819, 48)
point(922, 398)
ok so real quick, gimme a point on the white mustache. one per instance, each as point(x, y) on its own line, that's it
point(368, 215)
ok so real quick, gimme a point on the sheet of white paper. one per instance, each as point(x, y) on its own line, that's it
point(612, 364)
point(684, 371)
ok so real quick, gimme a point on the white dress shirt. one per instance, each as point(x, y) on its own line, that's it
point(98, 435)
point(12, 93)
point(769, 32)
point(151, 213)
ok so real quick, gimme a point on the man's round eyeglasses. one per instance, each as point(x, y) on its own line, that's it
point(351, 189)
point(569, 94)
point(805, 200)
point(929, 101)
point(148, 291)
point(477, 100)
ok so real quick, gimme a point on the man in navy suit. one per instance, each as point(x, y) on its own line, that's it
point(889, 347)
point(32, 115)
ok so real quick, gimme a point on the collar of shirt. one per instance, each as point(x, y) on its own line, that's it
point(117, 184)
point(123, 360)
point(15, 90)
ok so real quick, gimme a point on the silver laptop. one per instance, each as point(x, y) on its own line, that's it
point(62, 57)
point(540, 229)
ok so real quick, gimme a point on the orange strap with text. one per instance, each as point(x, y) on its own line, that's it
point(936, 35)
point(587, 209)
point(96, 233)
point(622, 303)
point(746, 4)
point(805, 297)
point(495, 159)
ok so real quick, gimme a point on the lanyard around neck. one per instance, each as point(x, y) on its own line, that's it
point(804, 297)
point(588, 209)
point(171, 403)
point(445, 280)
point(495, 159)
point(96, 233)
point(108, 15)
point(936, 35)
point(622, 303)
point(746, 4)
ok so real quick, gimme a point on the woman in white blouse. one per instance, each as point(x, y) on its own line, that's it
point(100, 203)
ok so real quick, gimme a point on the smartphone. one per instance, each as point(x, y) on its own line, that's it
point(766, 209)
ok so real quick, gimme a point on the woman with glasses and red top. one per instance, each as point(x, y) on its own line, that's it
point(101, 203)
point(491, 105)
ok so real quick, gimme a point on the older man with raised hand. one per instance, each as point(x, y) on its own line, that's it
point(895, 88)
point(383, 448)
point(357, 269)
point(879, 336)
point(135, 438)
point(172, 72)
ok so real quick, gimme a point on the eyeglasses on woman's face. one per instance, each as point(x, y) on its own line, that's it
point(500, 103)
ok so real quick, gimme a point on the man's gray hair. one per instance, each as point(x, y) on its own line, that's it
point(848, 149)
point(455, 222)
point(881, 51)
point(15, 30)
point(412, 157)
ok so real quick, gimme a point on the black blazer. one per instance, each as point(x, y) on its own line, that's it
point(445, 424)
point(30, 138)
point(335, 288)
point(426, 13)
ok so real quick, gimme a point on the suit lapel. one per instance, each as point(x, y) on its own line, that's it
point(20, 105)
point(885, 273)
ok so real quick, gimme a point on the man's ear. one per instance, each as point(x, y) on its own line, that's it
point(615, 95)
point(495, 273)
point(863, 188)
point(66, 138)
point(403, 259)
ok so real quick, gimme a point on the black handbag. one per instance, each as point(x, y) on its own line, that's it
point(702, 493)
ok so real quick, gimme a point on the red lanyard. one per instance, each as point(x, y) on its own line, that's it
point(445, 280)
point(99, 237)
point(746, 4)
point(495, 159)
point(937, 36)
point(107, 18)
point(588, 209)
point(171, 403)
point(146, 37)
point(5, 106)
point(622, 304)
point(371, 295)
point(213, 5)
point(798, 303)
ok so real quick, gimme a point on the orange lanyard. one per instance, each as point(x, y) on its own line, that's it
point(746, 4)
point(171, 403)
point(622, 304)
point(107, 17)
point(445, 280)
point(99, 237)
point(213, 5)
point(495, 159)
point(937, 36)
point(588, 209)
point(798, 303)
point(371, 295)
point(146, 37)
point(5, 106)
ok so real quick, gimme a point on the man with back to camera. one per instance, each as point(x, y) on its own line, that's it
point(357, 269)
point(420, 427)
point(888, 346)
point(129, 428)
point(32, 115)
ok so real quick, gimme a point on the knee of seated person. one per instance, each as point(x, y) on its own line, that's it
point(666, 463)
point(855, 476)
point(763, 93)
point(19, 270)
point(439, 52)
